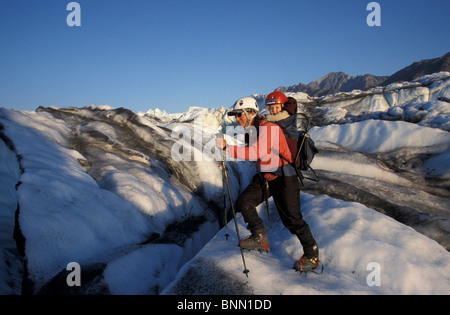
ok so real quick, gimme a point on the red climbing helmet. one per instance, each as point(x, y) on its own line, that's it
point(276, 98)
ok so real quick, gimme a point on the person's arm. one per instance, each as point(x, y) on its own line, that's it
point(264, 150)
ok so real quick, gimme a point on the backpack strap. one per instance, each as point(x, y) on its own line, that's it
point(297, 170)
point(297, 155)
point(304, 143)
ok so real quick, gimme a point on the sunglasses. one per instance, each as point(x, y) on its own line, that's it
point(238, 115)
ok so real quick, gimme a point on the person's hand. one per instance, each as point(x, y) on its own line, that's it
point(221, 143)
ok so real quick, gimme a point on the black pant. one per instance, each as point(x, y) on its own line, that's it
point(286, 194)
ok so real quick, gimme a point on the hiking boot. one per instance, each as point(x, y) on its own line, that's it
point(306, 263)
point(256, 242)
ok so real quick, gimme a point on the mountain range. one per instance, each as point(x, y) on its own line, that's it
point(335, 82)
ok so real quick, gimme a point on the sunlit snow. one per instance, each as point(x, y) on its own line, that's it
point(99, 186)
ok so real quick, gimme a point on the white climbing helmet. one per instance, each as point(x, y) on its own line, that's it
point(245, 104)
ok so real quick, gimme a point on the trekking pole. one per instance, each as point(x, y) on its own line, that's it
point(266, 195)
point(265, 190)
point(246, 271)
point(225, 218)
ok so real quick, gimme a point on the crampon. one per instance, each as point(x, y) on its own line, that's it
point(308, 264)
point(258, 242)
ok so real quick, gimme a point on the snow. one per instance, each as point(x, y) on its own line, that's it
point(415, 102)
point(351, 237)
point(438, 166)
point(57, 193)
point(380, 136)
point(100, 187)
point(125, 276)
point(9, 263)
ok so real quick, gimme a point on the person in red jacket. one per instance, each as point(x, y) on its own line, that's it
point(282, 182)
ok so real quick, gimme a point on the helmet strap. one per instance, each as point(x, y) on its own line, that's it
point(247, 124)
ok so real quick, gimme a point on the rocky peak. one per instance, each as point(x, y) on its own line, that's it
point(335, 82)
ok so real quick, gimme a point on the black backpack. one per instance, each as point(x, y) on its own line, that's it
point(306, 150)
point(301, 145)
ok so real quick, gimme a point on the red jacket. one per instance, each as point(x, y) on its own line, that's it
point(266, 150)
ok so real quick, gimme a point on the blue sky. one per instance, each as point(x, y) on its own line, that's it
point(172, 54)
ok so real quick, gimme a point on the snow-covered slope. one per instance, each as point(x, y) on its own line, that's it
point(416, 102)
point(100, 186)
point(10, 260)
point(354, 241)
